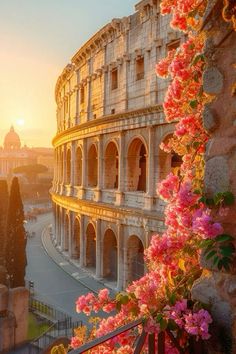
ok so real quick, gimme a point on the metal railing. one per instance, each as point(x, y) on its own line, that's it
point(61, 325)
point(48, 311)
point(155, 344)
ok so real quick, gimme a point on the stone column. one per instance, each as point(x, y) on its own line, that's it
point(82, 240)
point(121, 173)
point(150, 169)
point(98, 249)
point(71, 232)
point(120, 256)
point(98, 191)
point(72, 172)
point(84, 169)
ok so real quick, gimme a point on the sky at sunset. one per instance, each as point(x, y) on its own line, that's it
point(38, 38)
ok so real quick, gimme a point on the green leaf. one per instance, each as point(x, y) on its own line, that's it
point(206, 243)
point(228, 198)
point(224, 237)
point(172, 298)
point(211, 254)
point(193, 103)
point(226, 263)
point(172, 325)
point(197, 191)
point(227, 251)
point(202, 200)
point(210, 201)
point(197, 59)
point(196, 144)
point(215, 260)
point(218, 198)
point(159, 317)
point(163, 324)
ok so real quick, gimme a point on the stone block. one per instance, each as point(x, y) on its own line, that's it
point(18, 304)
point(212, 81)
point(216, 175)
point(210, 119)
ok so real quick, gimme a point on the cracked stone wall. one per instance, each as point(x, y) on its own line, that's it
point(219, 288)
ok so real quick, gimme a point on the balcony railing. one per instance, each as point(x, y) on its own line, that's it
point(155, 343)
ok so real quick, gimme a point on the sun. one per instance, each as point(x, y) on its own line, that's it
point(20, 122)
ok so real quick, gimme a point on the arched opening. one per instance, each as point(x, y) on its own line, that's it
point(92, 167)
point(68, 167)
point(66, 233)
point(90, 246)
point(110, 256)
point(78, 167)
point(137, 166)
point(168, 162)
point(176, 162)
point(135, 259)
point(111, 166)
point(76, 239)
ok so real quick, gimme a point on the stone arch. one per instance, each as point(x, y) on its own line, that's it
point(137, 166)
point(90, 246)
point(66, 232)
point(68, 167)
point(76, 239)
point(168, 162)
point(135, 261)
point(110, 258)
point(78, 166)
point(92, 166)
point(111, 166)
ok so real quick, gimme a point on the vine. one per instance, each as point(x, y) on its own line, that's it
point(163, 295)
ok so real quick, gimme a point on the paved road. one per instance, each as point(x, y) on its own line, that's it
point(52, 284)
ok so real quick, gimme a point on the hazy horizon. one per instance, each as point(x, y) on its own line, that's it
point(37, 40)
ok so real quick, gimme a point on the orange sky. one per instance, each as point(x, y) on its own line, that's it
point(38, 38)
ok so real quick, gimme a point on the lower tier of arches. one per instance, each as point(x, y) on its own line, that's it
point(112, 251)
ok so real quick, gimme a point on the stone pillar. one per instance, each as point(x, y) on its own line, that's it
point(18, 307)
point(120, 256)
point(150, 169)
point(71, 232)
point(98, 191)
point(73, 158)
point(76, 118)
point(82, 240)
point(98, 249)
point(122, 171)
point(84, 168)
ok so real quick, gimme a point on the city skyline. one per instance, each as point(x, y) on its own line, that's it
point(37, 40)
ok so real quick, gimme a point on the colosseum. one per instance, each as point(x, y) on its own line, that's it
point(110, 124)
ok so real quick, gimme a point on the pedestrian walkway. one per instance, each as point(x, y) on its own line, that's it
point(81, 275)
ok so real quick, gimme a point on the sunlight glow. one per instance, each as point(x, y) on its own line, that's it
point(20, 122)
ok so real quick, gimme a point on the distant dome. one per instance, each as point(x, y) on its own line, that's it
point(12, 140)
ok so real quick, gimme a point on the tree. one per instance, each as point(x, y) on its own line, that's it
point(31, 171)
point(4, 197)
point(16, 238)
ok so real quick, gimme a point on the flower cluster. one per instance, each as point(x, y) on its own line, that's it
point(172, 258)
point(195, 323)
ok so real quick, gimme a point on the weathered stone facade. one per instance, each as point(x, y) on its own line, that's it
point(108, 161)
point(13, 317)
point(218, 289)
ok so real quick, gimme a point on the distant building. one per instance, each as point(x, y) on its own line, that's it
point(13, 155)
point(108, 161)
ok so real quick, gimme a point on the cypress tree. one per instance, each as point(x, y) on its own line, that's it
point(16, 238)
point(3, 217)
